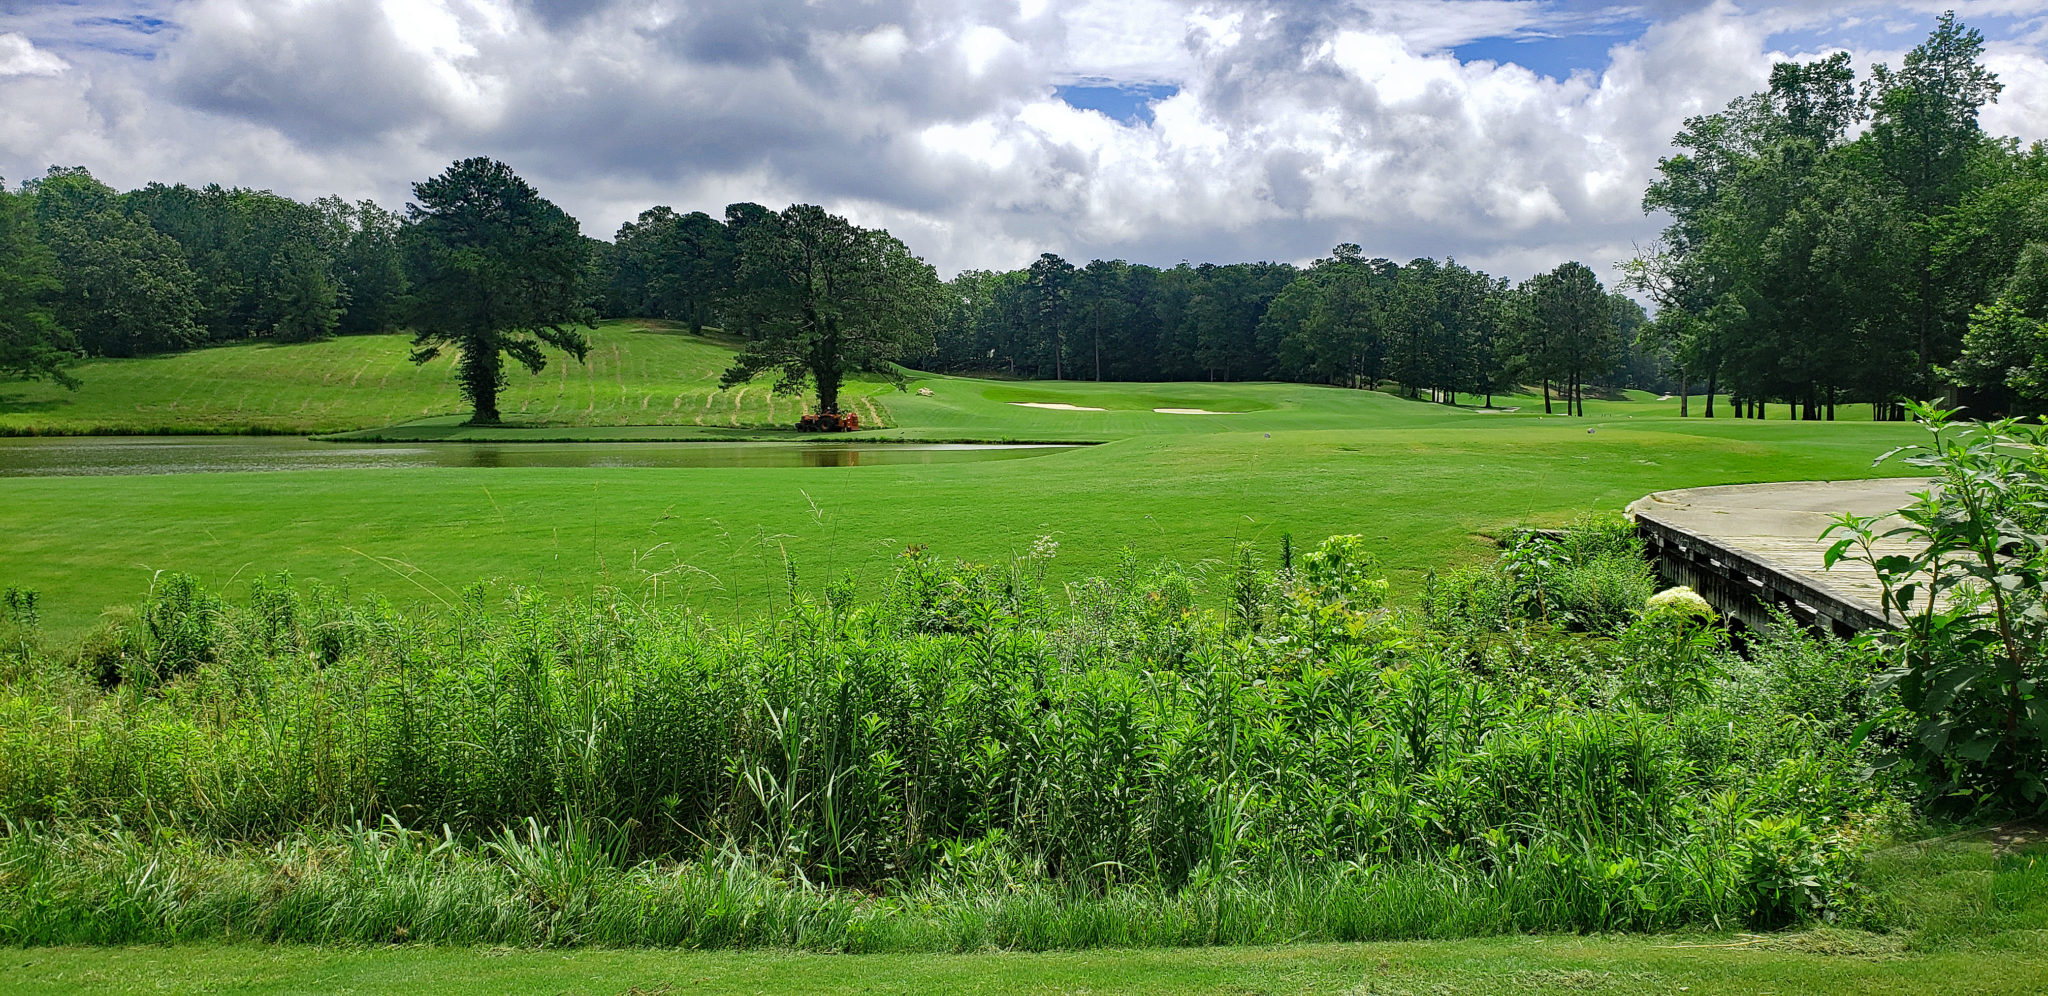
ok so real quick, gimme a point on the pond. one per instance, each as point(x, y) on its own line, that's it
point(102, 456)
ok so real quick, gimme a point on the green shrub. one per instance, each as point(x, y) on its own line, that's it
point(1590, 577)
point(184, 625)
point(971, 738)
point(1963, 579)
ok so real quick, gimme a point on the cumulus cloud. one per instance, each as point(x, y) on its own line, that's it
point(1281, 128)
point(20, 57)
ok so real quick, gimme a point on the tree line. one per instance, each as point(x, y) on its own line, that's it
point(165, 268)
point(1832, 242)
point(1426, 327)
point(479, 264)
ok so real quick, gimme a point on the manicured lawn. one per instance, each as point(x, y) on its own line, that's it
point(1815, 963)
point(1424, 482)
point(1423, 496)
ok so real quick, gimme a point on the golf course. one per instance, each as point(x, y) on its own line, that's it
point(1426, 484)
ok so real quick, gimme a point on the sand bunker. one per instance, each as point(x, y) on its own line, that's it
point(1494, 411)
point(1191, 411)
point(1058, 407)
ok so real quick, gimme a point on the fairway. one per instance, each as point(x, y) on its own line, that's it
point(1426, 484)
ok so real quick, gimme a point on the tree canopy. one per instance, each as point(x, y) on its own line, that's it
point(32, 344)
point(1806, 262)
point(497, 270)
point(818, 298)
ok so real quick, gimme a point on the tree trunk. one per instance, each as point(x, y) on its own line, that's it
point(1684, 395)
point(480, 374)
point(1713, 377)
point(1546, 396)
point(828, 393)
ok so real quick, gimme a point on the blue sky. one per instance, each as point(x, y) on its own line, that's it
point(1556, 56)
point(1513, 134)
point(1126, 102)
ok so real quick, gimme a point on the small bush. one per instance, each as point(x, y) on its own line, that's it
point(1591, 577)
point(184, 624)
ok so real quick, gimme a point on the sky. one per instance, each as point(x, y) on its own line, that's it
point(1510, 134)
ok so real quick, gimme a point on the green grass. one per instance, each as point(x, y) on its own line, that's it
point(638, 373)
point(1423, 482)
point(1422, 494)
point(1815, 963)
point(651, 373)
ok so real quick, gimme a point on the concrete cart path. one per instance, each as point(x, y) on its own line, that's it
point(1760, 543)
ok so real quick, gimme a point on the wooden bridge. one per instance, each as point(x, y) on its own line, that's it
point(1748, 548)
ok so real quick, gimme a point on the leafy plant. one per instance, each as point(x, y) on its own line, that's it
point(1669, 653)
point(1961, 571)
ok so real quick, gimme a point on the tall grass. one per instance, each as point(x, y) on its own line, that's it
point(971, 758)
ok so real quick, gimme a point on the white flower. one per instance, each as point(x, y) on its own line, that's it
point(1681, 600)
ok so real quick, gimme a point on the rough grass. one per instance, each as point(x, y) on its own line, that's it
point(970, 761)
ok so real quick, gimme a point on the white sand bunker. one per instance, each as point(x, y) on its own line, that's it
point(1057, 406)
point(1191, 411)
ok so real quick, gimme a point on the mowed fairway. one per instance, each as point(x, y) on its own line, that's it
point(1425, 483)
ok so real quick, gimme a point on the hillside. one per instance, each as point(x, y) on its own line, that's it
point(638, 372)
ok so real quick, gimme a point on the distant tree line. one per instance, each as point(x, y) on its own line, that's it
point(172, 267)
point(1428, 328)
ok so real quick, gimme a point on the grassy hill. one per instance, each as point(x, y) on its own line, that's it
point(638, 372)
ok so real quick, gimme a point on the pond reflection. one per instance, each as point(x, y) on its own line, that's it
point(98, 456)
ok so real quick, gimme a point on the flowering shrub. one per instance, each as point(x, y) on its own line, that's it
point(1669, 652)
point(829, 422)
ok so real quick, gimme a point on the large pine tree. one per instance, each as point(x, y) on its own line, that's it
point(497, 270)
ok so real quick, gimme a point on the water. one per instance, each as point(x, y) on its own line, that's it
point(102, 456)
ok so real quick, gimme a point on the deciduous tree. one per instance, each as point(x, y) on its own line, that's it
point(819, 298)
point(32, 344)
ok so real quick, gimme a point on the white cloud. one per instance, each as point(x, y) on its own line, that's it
point(1296, 124)
point(20, 57)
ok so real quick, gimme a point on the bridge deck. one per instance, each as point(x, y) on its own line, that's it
point(1746, 547)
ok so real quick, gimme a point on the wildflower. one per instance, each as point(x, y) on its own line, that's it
point(1681, 600)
